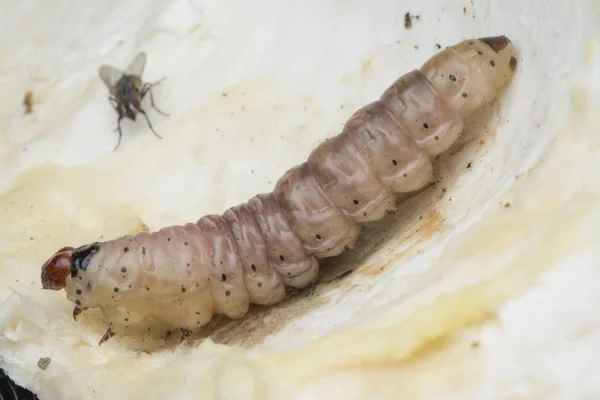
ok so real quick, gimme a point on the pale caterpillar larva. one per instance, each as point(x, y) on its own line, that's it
point(184, 275)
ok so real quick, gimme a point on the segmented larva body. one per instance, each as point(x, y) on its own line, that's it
point(184, 275)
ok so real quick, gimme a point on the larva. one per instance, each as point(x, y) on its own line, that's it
point(184, 275)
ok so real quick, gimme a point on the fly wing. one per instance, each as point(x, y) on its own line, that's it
point(110, 76)
point(136, 67)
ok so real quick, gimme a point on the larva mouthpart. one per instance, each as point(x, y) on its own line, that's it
point(184, 275)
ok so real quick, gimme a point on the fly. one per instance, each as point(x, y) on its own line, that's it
point(128, 91)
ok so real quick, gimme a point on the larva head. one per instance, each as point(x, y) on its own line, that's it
point(57, 268)
point(470, 74)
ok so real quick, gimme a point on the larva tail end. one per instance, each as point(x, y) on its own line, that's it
point(57, 268)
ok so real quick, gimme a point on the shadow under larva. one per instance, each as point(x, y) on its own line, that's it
point(182, 276)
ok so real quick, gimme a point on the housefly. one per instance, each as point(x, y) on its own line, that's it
point(127, 90)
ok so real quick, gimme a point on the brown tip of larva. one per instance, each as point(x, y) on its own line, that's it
point(496, 43)
point(512, 63)
point(57, 268)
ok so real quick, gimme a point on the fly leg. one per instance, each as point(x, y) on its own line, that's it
point(150, 124)
point(116, 106)
point(120, 132)
point(147, 88)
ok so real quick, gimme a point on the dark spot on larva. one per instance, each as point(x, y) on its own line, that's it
point(356, 202)
point(282, 258)
point(78, 291)
point(512, 63)
point(289, 274)
point(469, 165)
point(183, 289)
point(147, 287)
point(124, 276)
point(185, 243)
point(89, 287)
point(480, 52)
point(197, 285)
point(394, 162)
point(116, 289)
point(437, 138)
point(465, 95)
point(259, 284)
point(253, 267)
point(318, 236)
point(496, 43)
point(80, 278)
point(452, 78)
point(143, 250)
point(78, 302)
point(475, 344)
point(364, 214)
point(188, 265)
point(126, 319)
point(126, 249)
point(227, 293)
point(507, 205)
point(438, 46)
point(124, 269)
point(223, 277)
point(492, 63)
point(130, 286)
point(425, 125)
point(168, 239)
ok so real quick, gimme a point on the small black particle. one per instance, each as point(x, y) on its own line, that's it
point(452, 78)
point(469, 165)
point(126, 249)
point(405, 175)
point(188, 265)
point(282, 258)
point(78, 291)
point(465, 95)
point(437, 138)
point(479, 52)
point(183, 289)
point(124, 269)
point(185, 243)
point(355, 202)
point(143, 251)
point(147, 287)
point(364, 214)
point(394, 162)
point(89, 287)
point(507, 205)
point(130, 286)
point(444, 190)
point(318, 236)
point(253, 267)
point(78, 302)
point(492, 63)
point(425, 125)
point(438, 46)
point(168, 239)
point(223, 277)
point(126, 319)
point(116, 289)
point(259, 284)
point(227, 293)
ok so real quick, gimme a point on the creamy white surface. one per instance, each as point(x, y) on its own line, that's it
point(287, 69)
